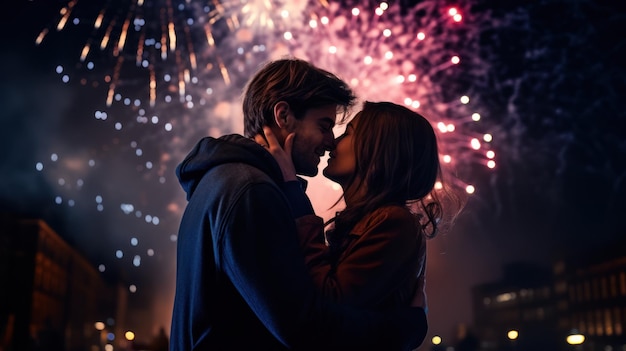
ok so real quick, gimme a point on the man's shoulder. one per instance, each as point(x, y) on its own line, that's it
point(233, 180)
point(239, 173)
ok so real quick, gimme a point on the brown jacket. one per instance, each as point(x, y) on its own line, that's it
point(383, 263)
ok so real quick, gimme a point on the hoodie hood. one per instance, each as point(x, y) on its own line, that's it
point(211, 152)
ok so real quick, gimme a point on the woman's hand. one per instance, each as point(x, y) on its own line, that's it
point(419, 296)
point(282, 156)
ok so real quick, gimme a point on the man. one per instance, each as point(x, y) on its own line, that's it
point(241, 282)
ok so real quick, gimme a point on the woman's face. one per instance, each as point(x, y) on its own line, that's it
point(342, 160)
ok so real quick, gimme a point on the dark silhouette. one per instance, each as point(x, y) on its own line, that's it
point(160, 342)
point(49, 338)
point(468, 343)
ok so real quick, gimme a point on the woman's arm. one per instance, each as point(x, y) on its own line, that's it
point(385, 255)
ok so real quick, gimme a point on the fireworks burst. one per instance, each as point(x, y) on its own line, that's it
point(383, 51)
point(152, 49)
point(406, 57)
point(172, 71)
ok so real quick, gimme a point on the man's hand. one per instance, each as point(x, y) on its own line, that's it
point(282, 156)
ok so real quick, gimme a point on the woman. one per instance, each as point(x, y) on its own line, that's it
point(374, 252)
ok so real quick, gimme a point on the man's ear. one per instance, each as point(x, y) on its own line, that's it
point(281, 114)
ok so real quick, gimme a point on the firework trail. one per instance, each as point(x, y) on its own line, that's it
point(150, 49)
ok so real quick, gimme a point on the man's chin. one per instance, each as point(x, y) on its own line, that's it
point(328, 175)
point(307, 169)
point(325, 172)
point(307, 172)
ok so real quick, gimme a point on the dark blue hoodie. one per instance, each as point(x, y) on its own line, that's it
point(241, 282)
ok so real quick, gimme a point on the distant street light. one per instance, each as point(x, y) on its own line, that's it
point(512, 334)
point(436, 340)
point(130, 336)
point(575, 338)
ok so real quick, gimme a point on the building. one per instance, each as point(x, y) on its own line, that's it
point(52, 296)
point(535, 307)
point(592, 297)
point(518, 311)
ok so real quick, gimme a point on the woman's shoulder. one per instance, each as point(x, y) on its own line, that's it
point(393, 212)
point(392, 216)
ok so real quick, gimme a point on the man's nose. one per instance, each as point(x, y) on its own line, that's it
point(331, 143)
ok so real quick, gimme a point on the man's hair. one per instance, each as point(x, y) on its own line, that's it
point(298, 83)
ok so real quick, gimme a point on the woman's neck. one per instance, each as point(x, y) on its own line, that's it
point(353, 193)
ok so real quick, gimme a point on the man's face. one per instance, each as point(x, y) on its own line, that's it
point(314, 136)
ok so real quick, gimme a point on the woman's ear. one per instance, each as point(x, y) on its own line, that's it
point(281, 114)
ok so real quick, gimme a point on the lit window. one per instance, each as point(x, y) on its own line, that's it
point(561, 287)
point(583, 325)
point(618, 321)
point(591, 324)
point(608, 322)
point(540, 313)
point(599, 323)
point(587, 290)
point(605, 287)
point(613, 285)
point(506, 297)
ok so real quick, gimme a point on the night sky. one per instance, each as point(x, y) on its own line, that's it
point(538, 89)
